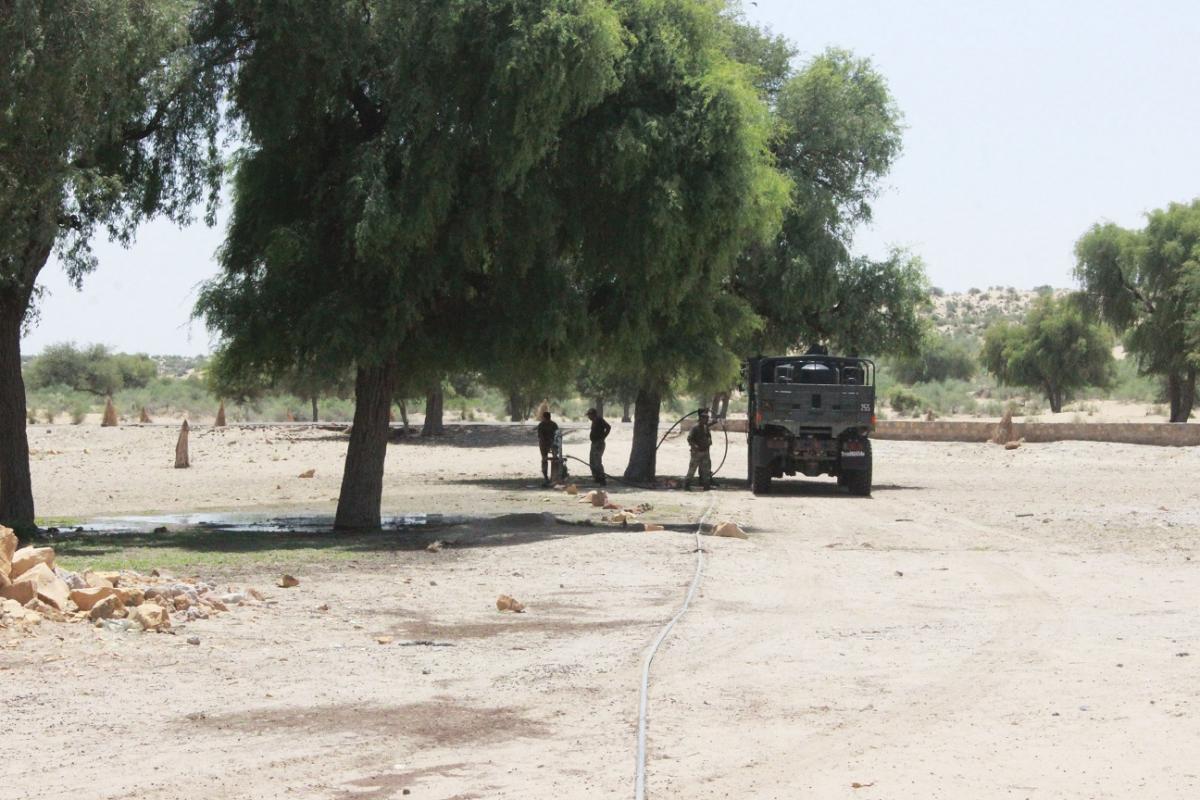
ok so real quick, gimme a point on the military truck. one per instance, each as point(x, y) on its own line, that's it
point(810, 415)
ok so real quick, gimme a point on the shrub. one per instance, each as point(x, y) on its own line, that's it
point(903, 401)
point(940, 358)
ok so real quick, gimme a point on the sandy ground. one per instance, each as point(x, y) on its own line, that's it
point(1007, 624)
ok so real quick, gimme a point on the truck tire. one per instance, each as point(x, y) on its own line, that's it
point(859, 480)
point(760, 483)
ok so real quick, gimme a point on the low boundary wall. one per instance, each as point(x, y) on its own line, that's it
point(1152, 433)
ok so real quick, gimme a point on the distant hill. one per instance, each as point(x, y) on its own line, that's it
point(968, 314)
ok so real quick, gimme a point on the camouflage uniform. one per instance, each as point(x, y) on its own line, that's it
point(699, 441)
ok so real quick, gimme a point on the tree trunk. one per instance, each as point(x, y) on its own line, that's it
point(642, 458)
point(714, 408)
point(1181, 391)
point(404, 415)
point(625, 413)
point(314, 408)
point(433, 413)
point(724, 405)
point(516, 407)
point(362, 479)
point(598, 404)
point(16, 487)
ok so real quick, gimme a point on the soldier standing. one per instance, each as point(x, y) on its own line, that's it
point(545, 434)
point(600, 430)
point(699, 441)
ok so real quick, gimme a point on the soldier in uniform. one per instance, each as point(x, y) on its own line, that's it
point(545, 434)
point(600, 430)
point(699, 441)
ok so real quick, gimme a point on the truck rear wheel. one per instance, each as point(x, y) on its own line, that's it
point(760, 482)
point(859, 480)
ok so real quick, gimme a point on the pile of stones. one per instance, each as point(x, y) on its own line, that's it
point(34, 589)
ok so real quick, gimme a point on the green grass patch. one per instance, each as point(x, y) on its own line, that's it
point(207, 550)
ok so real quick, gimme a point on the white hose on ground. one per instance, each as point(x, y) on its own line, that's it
point(640, 781)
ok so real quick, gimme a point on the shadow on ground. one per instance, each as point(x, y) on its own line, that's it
point(258, 546)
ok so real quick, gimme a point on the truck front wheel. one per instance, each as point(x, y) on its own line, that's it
point(859, 480)
point(760, 483)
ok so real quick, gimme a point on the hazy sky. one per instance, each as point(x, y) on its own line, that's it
point(1026, 123)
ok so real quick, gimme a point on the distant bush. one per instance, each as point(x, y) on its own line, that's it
point(94, 369)
point(903, 401)
point(973, 290)
point(940, 358)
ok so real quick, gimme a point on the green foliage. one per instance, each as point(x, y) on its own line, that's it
point(392, 149)
point(94, 369)
point(837, 134)
point(904, 401)
point(939, 358)
point(1146, 284)
point(1056, 350)
point(106, 118)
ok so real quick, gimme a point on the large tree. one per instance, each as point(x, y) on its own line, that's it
point(838, 132)
point(1056, 350)
point(669, 179)
point(387, 143)
point(1146, 284)
point(107, 117)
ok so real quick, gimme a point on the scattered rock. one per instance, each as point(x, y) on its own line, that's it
point(152, 617)
point(106, 608)
point(131, 596)
point(193, 640)
point(729, 530)
point(27, 558)
point(49, 587)
point(181, 602)
point(85, 599)
point(1011, 445)
point(308, 473)
point(652, 527)
point(572, 489)
point(21, 592)
point(73, 580)
point(256, 594)
point(287, 582)
point(45, 610)
point(596, 497)
point(506, 603)
point(435, 546)
point(383, 639)
point(233, 599)
point(899, 574)
point(8, 547)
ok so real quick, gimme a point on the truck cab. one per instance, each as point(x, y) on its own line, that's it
point(810, 415)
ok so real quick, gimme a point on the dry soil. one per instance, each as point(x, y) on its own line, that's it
point(991, 624)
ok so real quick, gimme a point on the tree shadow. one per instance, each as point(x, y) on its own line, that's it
point(501, 531)
point(789, 487)
point(478, 435)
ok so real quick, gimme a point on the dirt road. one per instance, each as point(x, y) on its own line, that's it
point(990, 624)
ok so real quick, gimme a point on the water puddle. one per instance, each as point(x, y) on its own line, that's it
point(242, 522)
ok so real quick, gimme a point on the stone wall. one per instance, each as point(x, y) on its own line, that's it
point(1154, 433)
